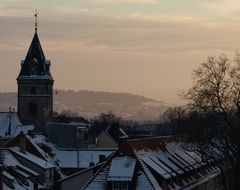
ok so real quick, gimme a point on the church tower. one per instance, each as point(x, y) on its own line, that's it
point(35, 85)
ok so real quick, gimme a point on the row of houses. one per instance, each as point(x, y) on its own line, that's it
point(156, 163)
point(151, 163)
point(32, 161)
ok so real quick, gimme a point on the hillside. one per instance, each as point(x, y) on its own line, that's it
point(90, 103)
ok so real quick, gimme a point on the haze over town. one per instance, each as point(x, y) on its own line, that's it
point(145, 47)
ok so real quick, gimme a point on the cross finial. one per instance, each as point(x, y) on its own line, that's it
point(36, 21)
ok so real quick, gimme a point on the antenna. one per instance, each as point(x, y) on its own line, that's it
point(36, 21)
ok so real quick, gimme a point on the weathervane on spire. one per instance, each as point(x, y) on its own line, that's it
point(36, 21)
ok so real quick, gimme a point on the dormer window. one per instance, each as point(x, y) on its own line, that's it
point(119, 185)
point(121, 172)
point(124, 185)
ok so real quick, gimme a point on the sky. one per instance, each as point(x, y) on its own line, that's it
point(145, 47)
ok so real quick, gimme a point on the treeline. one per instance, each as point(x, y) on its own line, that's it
point(85, 96)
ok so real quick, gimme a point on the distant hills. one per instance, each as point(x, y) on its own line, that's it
point(90, 103)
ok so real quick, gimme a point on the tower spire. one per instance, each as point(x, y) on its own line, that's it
point(36, 21)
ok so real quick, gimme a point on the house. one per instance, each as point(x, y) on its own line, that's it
point(23, 170)
point(69, 160)
point(48, 163)
point(76, 134)
point(104, 140)
point(110, 138)
point(44, 168)
point(156, 163)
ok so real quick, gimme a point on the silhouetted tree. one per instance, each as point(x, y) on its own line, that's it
point(107, 120)
point(175, 117)
point(215, 95)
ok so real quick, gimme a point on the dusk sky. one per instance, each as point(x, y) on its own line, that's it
point(145, 47)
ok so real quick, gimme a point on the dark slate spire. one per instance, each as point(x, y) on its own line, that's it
point(35, 63)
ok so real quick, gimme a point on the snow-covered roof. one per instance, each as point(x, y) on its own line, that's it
point(8, 159)
point(100, 181)
point(169, 164)
point(159, 162)
point(79, 158)
point(156, 166)
point(16, 183)
point(12, 180)
point(10, 122)
point(143, 182)
point(69, 158)
point(32, 158)
point(122, 169)
point(152, 180)
point(164, 158)
point(27, 170)
point(9, 176)
point(179, 153)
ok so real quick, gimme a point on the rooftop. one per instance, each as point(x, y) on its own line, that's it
point(155, 163)
point(10, 125)
point(121, 169)
point(32, 158)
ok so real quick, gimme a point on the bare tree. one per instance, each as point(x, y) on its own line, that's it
point(216, 91)
point(174, 116)
point(106, 120)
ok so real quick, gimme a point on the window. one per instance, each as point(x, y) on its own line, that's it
point(124, 185)
point(115, 185)
point(33, 108)
point(33, 90)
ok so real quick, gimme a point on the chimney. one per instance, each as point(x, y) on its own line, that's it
point(22, 143)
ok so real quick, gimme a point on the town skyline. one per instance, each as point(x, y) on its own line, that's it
point(142, 47)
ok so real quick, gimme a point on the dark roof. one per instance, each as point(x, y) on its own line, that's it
point(35, 63)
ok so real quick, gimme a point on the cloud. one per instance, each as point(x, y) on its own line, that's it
point(107, 40)
point(134, 32)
